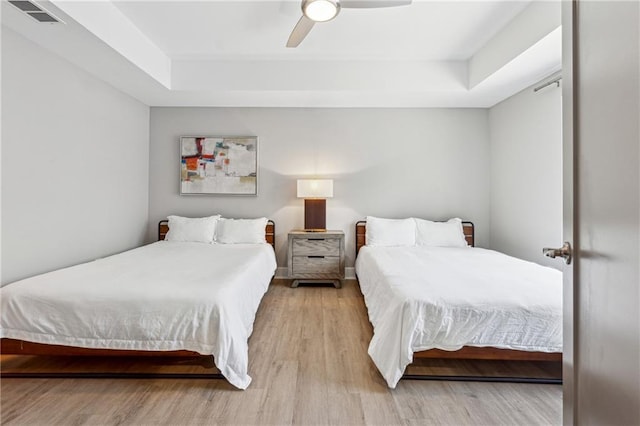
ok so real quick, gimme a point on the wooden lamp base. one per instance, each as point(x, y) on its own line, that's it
point(315, 215)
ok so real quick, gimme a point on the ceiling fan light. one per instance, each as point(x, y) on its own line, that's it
point(321, 10)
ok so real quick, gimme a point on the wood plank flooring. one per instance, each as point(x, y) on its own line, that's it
point(309, 363)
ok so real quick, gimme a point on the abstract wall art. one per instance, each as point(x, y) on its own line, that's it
point(219, 165)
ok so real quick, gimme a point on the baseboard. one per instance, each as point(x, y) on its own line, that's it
point(350, 273)
point(283, 273)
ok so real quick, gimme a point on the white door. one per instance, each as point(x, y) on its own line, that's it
point(602, 214)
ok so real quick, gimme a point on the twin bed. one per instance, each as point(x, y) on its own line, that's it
point(439, 299)
point(169, 298)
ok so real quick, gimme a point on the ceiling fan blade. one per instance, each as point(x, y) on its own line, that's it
point(300, 31)
point(368, 4)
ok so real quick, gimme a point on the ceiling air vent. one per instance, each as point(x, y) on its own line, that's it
point(35, 11)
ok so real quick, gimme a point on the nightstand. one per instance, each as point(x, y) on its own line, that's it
point(315, 257)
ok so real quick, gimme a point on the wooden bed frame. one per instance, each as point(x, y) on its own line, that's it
point(468, 352)
point(21, 347)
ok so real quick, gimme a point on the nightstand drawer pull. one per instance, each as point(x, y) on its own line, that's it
point(315, 257)
point(316, 239)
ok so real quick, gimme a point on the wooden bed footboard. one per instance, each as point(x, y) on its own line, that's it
point(21, 347)
point(489, 353)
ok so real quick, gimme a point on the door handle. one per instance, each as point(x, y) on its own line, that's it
point(563, 252)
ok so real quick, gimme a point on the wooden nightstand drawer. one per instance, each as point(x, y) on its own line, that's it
point(316, 247)
point(316, 266)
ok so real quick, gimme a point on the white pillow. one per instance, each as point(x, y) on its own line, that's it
point(390, 232)
point(200, 229)
point(241, 231)
point(440, 234)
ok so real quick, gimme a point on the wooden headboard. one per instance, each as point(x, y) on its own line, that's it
point(361, 233)
point(269, 231)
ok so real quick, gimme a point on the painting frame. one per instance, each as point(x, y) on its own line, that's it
point(218, 165)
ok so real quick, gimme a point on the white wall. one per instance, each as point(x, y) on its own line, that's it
point(75, 163)
point(526, 174)
point(431, 163)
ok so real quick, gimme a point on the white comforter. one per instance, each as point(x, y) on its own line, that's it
point(421, 298)
point(161, 297)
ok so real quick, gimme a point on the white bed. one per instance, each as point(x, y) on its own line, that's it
point(161, 297)
point(420, 298)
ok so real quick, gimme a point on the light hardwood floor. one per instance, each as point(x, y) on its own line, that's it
point(309, 363)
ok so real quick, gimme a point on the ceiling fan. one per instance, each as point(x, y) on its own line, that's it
point(325, 10)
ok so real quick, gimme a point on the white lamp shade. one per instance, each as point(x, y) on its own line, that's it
point(315, 188)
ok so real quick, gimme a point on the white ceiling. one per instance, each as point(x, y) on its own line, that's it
point(259, 29)
point(232, 53)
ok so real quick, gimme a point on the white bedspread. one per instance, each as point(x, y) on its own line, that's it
point(161, 297)
point(421, 298)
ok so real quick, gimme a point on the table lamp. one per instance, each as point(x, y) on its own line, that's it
point(315, 193)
